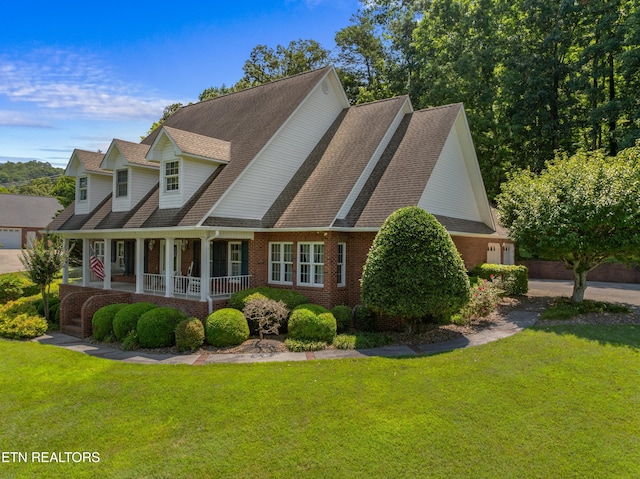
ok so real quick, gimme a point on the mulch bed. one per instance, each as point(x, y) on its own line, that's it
point(431, 334)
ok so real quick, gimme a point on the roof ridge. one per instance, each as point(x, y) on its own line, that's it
point(441, 107)
point(253, 87)
point(382, 100)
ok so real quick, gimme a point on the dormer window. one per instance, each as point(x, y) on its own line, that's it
point(82, 188)
point(171, 176)
point(122, 182)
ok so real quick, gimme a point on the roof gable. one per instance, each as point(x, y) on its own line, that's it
point(83, 162)
point(134, 154)
point(186, 143)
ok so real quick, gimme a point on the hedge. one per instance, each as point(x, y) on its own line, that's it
point(515, 278)
point(289, 297)
point(102, 322)
point(126, 320)
point(310, 322)
point(157, 327)
point(226, 327)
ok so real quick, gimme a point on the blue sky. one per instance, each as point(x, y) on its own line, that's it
point(78, 74)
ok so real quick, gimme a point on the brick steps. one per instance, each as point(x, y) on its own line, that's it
point(74, 328)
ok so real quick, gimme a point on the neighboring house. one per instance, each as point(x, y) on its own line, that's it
point(284, 184)
point(22, 217)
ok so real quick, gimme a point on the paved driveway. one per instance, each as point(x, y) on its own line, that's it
point(599, 291)
point(10, 260)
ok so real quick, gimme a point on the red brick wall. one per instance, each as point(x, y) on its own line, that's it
point(616, 273)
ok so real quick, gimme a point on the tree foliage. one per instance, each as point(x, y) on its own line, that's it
point(43, 262)
point(581, 209)
point(413, 269)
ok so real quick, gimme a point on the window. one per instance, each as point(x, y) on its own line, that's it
point(235, 258)
point(98, 248)
point(120, 253)
point(281, 263)
point(341, 264)
point(311, 264)
point(171, 173)
point(82, 188)
point(122, 181)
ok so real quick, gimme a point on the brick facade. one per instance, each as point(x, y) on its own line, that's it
point(616, 273)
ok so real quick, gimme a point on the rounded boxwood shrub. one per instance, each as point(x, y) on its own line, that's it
point(189, 334)
point(413, 269)
point(226, 327)
point(126, 320)
point(11, 287)
point(157, 327)
point(343, 317)
point(102, 322)
point(311, 322)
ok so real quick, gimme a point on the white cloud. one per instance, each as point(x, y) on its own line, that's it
point(70, 85)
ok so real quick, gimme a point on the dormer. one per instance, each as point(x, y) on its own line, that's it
point(93, 184)
point(133, 176)
point(186, 160)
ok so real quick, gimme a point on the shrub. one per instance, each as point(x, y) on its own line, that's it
point(226, 327)
point(361, 340)
point(413, 269)
point(298, 345)
point(189, 334)
point(23, 326)
point(126, 320)
point(266, 315)
point(130, 341)
point(290, 298)
point(515, 278)
point(102, 322)
point(310, 322)
point(485, 297)
point(365, 318)
point(343, 317)
point(11, 287)
point(157, 327)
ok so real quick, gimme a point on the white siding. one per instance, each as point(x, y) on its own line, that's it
point(193, 174)
point(82, 207)
point(264, 179)
point(449, 191)
point(122, 203)
point(142, 180)
point(167, 151)
point(357, 188)
point(99, 188)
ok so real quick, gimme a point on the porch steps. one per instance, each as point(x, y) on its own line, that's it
point(74, 328)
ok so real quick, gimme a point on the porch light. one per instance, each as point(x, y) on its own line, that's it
point(152, 243)
point(185, 245)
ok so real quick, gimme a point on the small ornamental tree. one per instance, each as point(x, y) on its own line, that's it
point(42, 262)
point(580, 210)
point(413, 269)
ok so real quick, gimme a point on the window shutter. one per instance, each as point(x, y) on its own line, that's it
point(244, 269)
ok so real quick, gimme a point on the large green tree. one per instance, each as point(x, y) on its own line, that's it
point(581, 209)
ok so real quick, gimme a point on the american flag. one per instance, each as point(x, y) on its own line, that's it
point(96, 265)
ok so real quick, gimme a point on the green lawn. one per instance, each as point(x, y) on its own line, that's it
point(555, 402)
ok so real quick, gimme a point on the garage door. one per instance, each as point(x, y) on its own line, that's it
point(11, 238)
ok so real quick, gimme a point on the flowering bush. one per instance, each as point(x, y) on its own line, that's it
point(485, 297)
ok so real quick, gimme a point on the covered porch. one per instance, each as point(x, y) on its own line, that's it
point(199, 268)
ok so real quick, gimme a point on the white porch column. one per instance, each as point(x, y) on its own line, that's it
point(168, 267)
point(204, 268)
point(139, 265)
point(65, 267)
point(107, 263)
point(86, 267)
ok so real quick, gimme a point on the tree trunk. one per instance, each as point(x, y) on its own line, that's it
point(579, 285)
point(45, 302)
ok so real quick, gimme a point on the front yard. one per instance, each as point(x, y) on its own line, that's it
point(553, 401)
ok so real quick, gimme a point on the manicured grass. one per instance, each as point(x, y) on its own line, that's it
point(553, 402)
point(564, 308)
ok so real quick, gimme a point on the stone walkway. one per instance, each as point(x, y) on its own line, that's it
point(514, 322)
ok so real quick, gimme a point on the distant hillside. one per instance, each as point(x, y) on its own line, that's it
point(11, 172)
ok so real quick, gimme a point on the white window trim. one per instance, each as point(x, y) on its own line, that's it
point(86, 189)
point(231, 261)
point(177, 257)
point(126, 183)
point(119, 259)
point(165, 177)
point(281, 264)
point(312, 265)
point(342, 267)
point(98, 249)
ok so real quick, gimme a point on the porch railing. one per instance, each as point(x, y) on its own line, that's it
point(191, 285)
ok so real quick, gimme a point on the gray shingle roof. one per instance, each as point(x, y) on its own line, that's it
point(27, 211)
point(200, 145)
point(91, 161)
point(134, 153)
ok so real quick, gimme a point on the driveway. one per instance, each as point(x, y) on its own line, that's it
point(598, 291)
point(10, 260)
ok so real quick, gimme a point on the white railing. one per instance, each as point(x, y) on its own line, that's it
point(191, 285)
point(227, 285)
point(154, 283)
